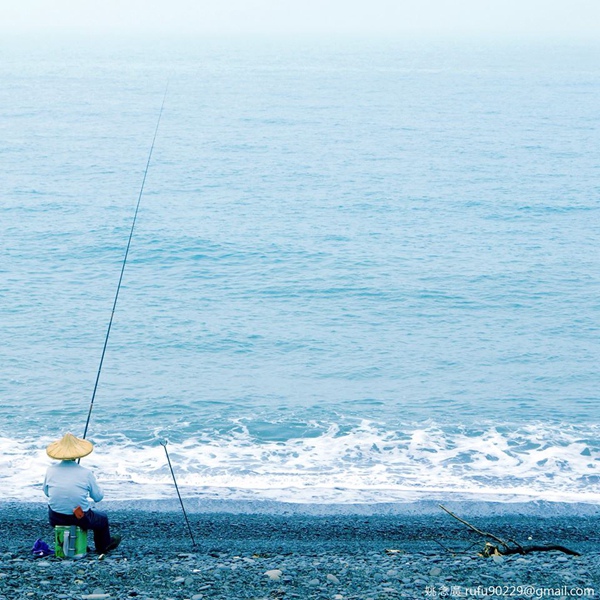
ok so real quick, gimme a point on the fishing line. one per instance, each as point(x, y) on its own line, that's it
point(164, 445)
point(112, 314)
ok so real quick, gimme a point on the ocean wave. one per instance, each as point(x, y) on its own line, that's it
point(366, 463)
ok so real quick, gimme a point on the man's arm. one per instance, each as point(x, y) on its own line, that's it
point(96, 492)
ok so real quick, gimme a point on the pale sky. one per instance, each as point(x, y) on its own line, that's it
point(537, 18)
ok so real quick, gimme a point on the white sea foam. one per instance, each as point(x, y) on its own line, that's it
point(365, 465)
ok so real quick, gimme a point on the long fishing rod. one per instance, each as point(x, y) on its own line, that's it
point(112, 314)
point(164, 445)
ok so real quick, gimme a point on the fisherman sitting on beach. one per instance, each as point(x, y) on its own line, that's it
point(69, 487)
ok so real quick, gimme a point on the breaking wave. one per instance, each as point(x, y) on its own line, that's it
point(333, 464)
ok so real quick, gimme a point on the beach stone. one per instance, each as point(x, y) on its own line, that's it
point(435, 571)
point(332, 578)
point(274, 574)
point(497, 558)
point(561, 559)
point(197, 597)
point(314, 582)
point(179, 580)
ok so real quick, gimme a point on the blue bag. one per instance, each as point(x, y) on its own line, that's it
point(40, 549)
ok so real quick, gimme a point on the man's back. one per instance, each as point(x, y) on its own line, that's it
point(69, 485)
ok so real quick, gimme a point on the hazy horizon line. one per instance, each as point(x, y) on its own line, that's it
point(188, 35)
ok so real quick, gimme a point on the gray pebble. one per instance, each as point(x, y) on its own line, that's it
point(274, 574)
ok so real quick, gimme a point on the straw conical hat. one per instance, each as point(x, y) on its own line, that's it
point(69, 448)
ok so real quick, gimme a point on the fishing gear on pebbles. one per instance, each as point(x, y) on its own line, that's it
point(164, 443)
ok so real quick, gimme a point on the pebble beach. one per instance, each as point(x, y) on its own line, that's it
point(303, 556)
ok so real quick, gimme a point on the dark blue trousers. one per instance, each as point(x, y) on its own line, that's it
point(95, 520)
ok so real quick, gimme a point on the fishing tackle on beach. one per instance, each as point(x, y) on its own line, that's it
point(164, 445)
point(114, 306)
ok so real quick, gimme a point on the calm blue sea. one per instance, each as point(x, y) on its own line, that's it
point(362, 271)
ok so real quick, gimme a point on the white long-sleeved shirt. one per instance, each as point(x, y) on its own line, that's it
point(69, 485)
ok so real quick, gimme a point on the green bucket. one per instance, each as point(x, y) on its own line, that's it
point(70, 541)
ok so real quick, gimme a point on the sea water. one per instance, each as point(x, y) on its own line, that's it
point(362, 270)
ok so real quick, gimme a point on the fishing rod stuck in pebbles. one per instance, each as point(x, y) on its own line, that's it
point(164, 445)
